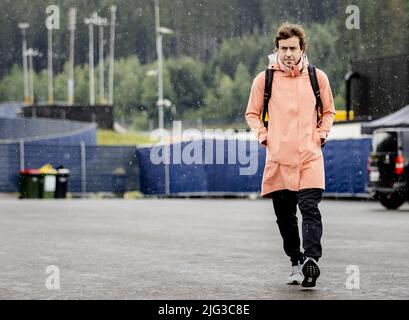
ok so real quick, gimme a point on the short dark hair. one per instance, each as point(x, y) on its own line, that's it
point(288, 30)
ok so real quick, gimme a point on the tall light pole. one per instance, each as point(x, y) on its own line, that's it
point(50, 67)
point(111, 57)
point(90, 23)
point(161, 103)
point(71, 26)
point(23, 26)
point(159, 31)
point(101, 22)
point(30, 53)
point(160, 64)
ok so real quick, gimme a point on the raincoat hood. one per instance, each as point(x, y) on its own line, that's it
point(276, 64)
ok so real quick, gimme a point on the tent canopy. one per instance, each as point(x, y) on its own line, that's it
point(399, 118)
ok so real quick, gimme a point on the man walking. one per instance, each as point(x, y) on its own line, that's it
point(294, 169)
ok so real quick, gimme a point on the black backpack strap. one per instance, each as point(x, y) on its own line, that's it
point(267, 94)
point(315, 87)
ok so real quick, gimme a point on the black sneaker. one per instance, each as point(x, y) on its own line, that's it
point(311, 272)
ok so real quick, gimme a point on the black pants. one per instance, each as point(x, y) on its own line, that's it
point(285, 207)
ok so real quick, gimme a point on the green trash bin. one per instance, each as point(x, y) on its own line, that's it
point(29, 184)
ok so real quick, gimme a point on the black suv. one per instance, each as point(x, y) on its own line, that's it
point(388, 169)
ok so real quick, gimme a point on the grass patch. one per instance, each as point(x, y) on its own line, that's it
point(113, 138)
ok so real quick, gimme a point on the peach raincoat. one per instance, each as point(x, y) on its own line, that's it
point(294, 158)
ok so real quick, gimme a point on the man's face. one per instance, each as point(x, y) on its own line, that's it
point(289, 51)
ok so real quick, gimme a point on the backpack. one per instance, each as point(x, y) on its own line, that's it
point(315, 87)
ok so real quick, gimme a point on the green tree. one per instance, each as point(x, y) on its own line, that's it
point(247, 49)
point(227, 100)
point(128, 79)
point(11, 86)
point(240, 93)
point(186, 77)
point(218, 98)
point(322, 52)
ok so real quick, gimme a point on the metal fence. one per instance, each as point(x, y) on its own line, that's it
point(119, 169)
point(92, 168)
point(345, 170)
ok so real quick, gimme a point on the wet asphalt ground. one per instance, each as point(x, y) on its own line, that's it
point(193, 249)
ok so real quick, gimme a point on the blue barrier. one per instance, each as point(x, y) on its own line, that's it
point(119, 169)
point(208, 172)
point(152, 177)
point(345, 166)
